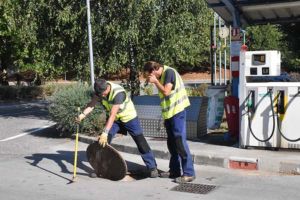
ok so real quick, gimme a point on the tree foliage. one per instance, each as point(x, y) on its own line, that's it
point(50, 36)
point(292, 38)
point(284, 38)
point(265, 37)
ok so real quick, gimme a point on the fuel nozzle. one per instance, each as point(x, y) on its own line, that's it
point(251, 101)
point(270, 90)
point(280, 102)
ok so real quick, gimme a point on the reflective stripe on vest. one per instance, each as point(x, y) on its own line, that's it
point(177, 101)
point(126, 111)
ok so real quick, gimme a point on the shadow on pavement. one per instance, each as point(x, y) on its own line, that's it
point(50, 132)
point(136, 171)
point(60, 158)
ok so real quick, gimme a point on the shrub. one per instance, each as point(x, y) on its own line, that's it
point(50, 88)
point(63, 110)
point(197, 91)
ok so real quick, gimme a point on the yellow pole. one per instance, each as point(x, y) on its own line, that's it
point(76, 149)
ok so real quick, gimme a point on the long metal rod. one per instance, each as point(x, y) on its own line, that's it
point(90, 42)
point(220, 52)
point(215, 52)
point(212, 49)
point(225, 63)
point(76, 150)
point(230, 29)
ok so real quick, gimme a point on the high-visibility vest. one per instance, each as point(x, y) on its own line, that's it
point(127, 111)
point(177, 101)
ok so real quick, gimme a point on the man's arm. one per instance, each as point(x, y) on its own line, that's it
point(164, 89)
point(89, 108)
point(112, 117)
point(102, 139)
point(168, 84)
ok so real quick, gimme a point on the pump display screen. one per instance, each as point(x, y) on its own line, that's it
point(259, 59)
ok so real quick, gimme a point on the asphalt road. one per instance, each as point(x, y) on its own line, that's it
point(39, 165)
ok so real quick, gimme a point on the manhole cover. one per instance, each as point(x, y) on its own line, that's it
point(194, 188)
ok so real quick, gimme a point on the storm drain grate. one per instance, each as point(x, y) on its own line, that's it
point(194, 188)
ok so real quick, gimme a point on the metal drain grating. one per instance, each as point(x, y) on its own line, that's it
point(194, 188)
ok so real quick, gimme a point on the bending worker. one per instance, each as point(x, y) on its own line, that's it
point(174, 100)
point(122, 116)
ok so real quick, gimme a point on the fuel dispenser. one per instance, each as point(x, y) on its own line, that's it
point(268, 107)
point(287, 100)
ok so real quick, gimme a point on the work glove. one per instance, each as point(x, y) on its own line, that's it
point(79, 118)
point(103, 139)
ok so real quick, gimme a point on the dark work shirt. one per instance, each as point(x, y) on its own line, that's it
point(119, 99)
point(170, 77)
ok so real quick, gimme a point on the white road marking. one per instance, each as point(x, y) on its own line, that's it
point(23, 134)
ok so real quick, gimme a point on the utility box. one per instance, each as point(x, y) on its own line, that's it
point(261, 63)
point(149, 113)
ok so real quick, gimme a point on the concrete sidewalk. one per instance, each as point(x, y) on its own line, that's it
point(206, 151)
point(282, 161)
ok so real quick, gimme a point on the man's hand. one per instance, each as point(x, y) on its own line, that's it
point(152, 78)
point(79, 118)
point(103, 139)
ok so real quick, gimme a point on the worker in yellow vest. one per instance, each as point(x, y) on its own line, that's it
point(174, 100)
point(122, 116)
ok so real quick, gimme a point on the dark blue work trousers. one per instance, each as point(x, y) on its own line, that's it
point(133, 127)
point(176, 128)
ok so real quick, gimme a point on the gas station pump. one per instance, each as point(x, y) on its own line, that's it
point(288, 112)
point(268, 107)
point(258, 121)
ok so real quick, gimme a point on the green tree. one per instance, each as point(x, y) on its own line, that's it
point(284, 38)
point(50, 36)
point(292, 36)
point(183, 33)
point(62, 38)
point(266, 37)
point(12, 35)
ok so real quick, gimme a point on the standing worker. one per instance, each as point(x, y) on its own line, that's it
point(174, 100)
point(122, 116)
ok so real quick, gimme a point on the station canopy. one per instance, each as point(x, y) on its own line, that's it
point(254, 12)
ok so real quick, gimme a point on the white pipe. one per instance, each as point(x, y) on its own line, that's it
point(90, 42)
point(230, 53)
point(220, 53)
point(225, 57)
point(215, 51)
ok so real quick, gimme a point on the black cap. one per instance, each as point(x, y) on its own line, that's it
point(100, 86)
